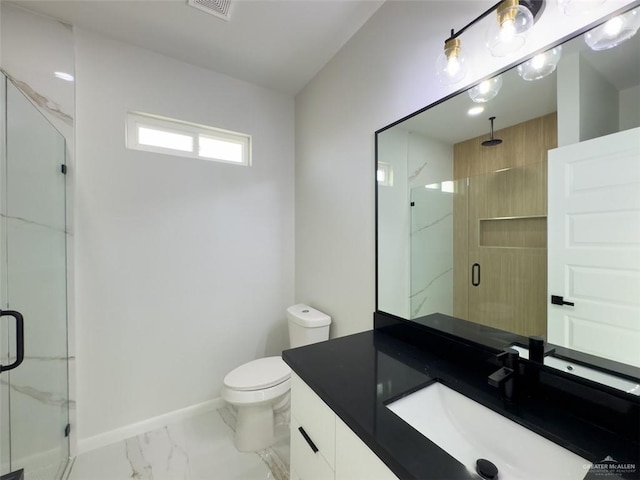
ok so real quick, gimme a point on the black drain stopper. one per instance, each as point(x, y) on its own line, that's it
point(486, 469)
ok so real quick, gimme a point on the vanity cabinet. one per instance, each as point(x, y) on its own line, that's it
point(339, 453)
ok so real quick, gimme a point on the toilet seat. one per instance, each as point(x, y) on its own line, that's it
point(258, 374)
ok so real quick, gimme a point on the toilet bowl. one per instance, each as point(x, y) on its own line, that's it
point(259, 389)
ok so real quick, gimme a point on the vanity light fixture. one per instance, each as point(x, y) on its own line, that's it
point(485, 91)
point(540, 65)
point(614, 31)
point(514, 19)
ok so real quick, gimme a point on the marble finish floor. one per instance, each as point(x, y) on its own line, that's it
point(198, 448)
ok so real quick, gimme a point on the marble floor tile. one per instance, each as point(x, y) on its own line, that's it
point(198, 448)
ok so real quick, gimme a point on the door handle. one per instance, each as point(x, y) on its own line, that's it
point(19, 338)
point(475, 274)
point(558, 300)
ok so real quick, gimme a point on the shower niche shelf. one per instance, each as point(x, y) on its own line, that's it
point(514, 232)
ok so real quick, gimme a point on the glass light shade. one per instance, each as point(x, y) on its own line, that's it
point(508, 33)
point(486, 90)
point(451, 64)
point(613, 32)
point(541, 65)
point(577, 7)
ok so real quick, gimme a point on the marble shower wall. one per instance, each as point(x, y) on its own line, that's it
point(430, 168)
point(32, 49)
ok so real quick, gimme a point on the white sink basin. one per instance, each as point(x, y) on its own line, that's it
point(469, 431)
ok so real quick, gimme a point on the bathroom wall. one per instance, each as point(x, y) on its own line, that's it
point(382, 74)
point(630, 108)
point(184, 266)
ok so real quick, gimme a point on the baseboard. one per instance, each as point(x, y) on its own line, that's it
point(128, 431)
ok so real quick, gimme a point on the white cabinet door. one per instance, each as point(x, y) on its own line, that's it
point(305, 463)
point(312, 448)
point(354, 460)
point(317, 419)
point(594, 246)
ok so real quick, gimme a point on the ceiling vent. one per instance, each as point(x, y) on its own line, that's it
point(219, 8)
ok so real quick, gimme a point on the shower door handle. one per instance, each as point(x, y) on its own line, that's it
point(475, 274)
point(19, 338)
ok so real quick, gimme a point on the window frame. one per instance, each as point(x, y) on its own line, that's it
point(136, 120)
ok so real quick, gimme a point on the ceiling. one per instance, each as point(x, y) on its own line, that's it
point(278, 44)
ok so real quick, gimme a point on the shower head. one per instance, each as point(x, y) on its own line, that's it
point(492, 141)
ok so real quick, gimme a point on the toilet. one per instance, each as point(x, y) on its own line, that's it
point(259, 389)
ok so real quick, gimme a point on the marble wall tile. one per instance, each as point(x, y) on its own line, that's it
point(431, 243)
point(431, 252)
point(34, 47)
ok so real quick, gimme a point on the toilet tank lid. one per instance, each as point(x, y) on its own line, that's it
point(306, 316)
point(258, 374)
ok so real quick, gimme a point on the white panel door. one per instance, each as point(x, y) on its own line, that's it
point(594, 246)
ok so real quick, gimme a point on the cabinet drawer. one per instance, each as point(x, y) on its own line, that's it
point(317, 419)
point(305, 463)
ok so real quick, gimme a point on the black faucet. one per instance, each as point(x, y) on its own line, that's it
point(537, 349)
point(505, 377)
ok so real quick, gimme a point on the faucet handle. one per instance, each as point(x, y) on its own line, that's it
point(509, 357)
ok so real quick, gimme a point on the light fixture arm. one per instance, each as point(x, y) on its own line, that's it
point(535, 6)
point(455, 34)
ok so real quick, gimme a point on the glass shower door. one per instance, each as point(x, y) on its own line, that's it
point(34, 396)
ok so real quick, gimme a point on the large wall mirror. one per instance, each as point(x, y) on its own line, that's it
point(521, 212)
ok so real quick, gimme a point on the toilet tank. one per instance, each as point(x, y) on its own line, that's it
point(307, 325)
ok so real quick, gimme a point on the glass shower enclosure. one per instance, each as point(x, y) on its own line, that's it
point(34, 398)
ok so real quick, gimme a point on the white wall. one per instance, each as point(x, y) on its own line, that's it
point(382, 74)
point(184, 267)
point(599, 112)
point(629, 101)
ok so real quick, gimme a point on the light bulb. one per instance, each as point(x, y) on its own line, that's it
point(613, 32)
point(486, 90)
point(540, 65)
point(614, 26)
point(537, 62)
point(508, 33)
point(451, 64)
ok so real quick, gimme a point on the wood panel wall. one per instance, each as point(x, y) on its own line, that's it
point(500, 223)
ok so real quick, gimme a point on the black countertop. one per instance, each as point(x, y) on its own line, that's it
point(358, 375)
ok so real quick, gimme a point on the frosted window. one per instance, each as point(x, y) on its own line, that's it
point(156, 134)
point(163, 139)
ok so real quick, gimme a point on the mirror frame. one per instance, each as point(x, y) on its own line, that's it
point(599, 363)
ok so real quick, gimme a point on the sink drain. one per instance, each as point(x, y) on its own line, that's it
point(486, 469)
